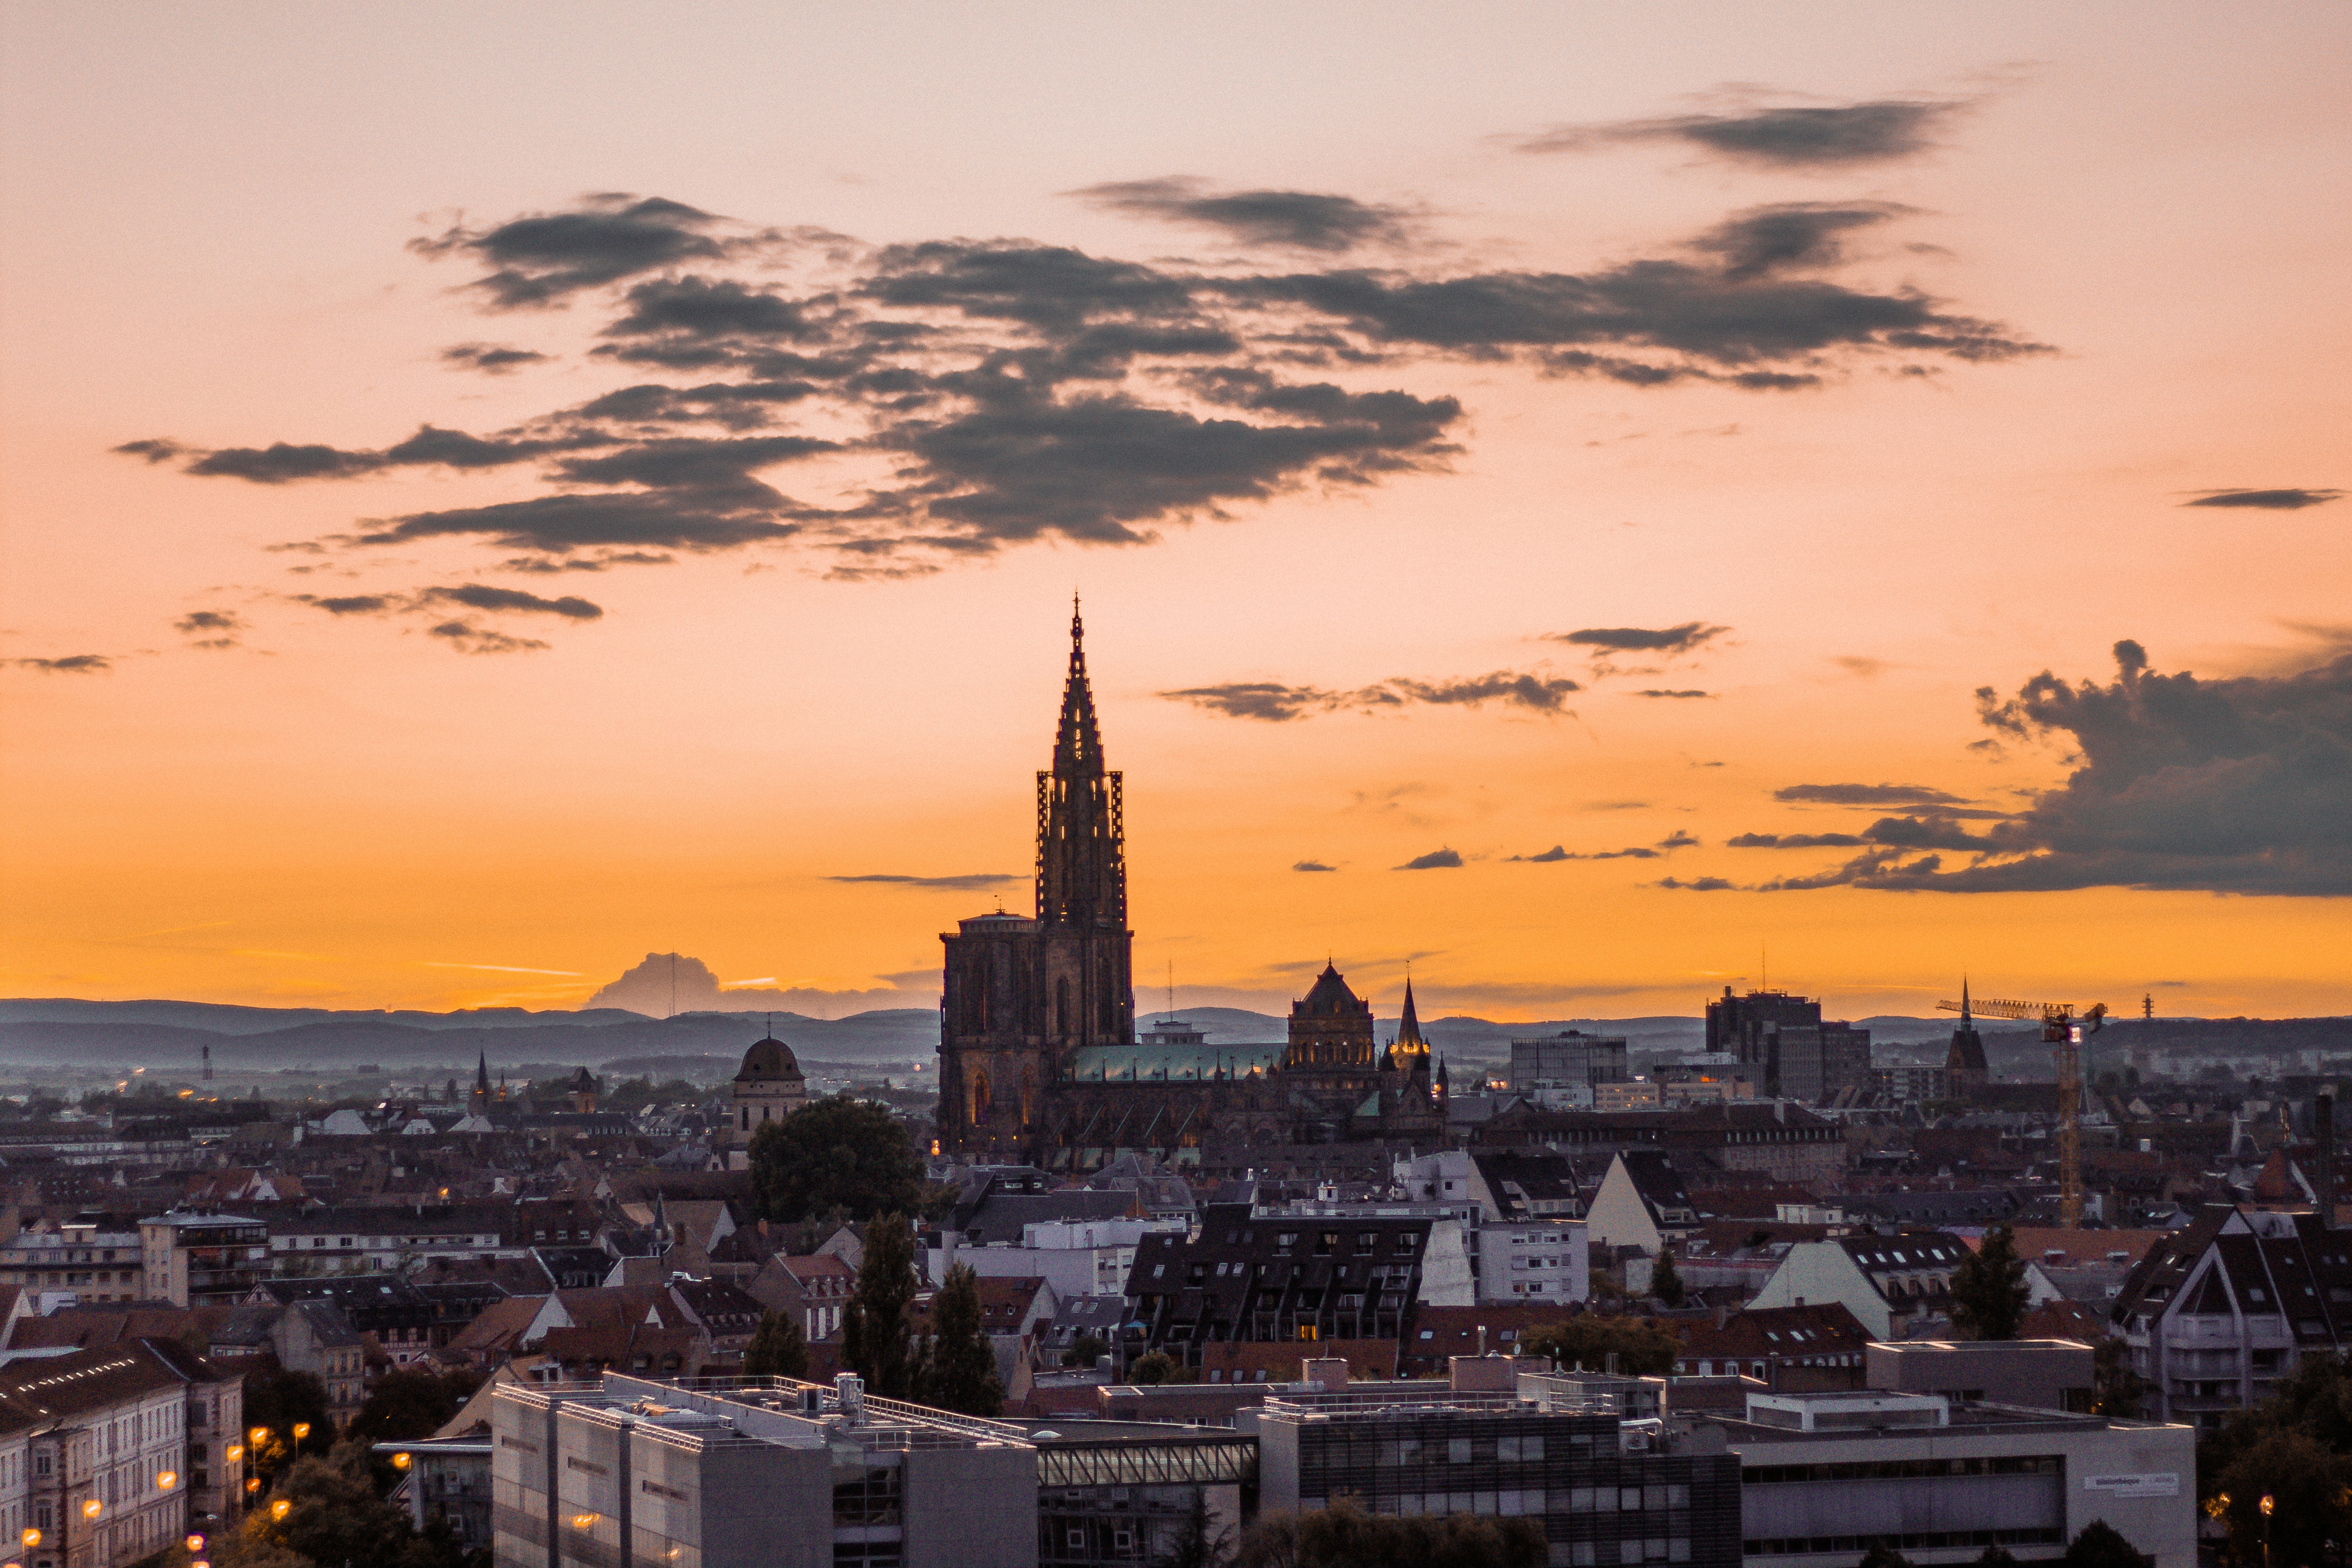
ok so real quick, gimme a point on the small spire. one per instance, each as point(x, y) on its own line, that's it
point(1409, 1022)
point(1963, 998)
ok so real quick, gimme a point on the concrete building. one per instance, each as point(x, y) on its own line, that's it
point(1606, 1490)
point(1532, 1261)
point(1824, 1476)
point(1914, 1083)
point(2040, 1374)
point(1562, 1072)
point(1089, 1258)
point(758, 1474)
point(203, 1259)
point(90, 1264)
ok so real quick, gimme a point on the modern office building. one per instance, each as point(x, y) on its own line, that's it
point(1562, 1072)
point(2039, 1375)
point(1826, 1476)
point(758, 1473)
point(1606, 1490)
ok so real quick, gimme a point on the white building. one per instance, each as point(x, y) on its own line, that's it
point(1533, 1262)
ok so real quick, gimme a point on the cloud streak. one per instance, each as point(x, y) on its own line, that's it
point(966, 882)
point(1827, 138)
point(1276, 702)
point(1299, 220)
point(1687, 637)
point(2266, 501)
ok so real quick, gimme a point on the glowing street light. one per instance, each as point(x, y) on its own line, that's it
point(259, 1436)
point(166, 1480)
point(32, 1538)
point(253, 1484)
point(400, 1461)
point(280, 1509)
point(195, 1542)
point(301, 1430)
point(233, 1452)
point(92, 1508)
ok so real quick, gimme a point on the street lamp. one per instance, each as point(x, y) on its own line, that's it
point(301, 1430)
point(2266, 1505)
point(280, 1509)
point(92, 1508)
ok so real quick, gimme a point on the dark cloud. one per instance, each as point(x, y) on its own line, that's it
point(482, 596)
point(968, 882)
point(1303, 220)
point(1556, 853)
point(352, 604)
point(2267, 500)
point(492, 359)
point(1435, 860)
point(1790, 235)
point(1312, 865)
point(542, 258)
point(71, 663)
point(2239, 785)
point(1683, 638)
point(1867, 795)
point(466, 637)
point(1796, 841)
point(210, 628)
point(1678, 839)
point(1547, 857)
point(1836, 137)
point(543, 564)
point(970, 394)
point(1656, 691)
point(1699, 884)
point(1274, 702)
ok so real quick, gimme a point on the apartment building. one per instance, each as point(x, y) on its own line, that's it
point(1533, 1261)
point(90, 1263)
point(203, 1259)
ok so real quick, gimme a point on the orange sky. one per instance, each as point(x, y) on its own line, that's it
point(207, 241)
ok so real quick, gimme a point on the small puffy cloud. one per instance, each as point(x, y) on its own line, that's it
point(491, 359)
point(2266, 501)
point(1311, 866)
point(1859, 665)
point(1830, 137)
point(1790, 235)
point(964, 882)
point(1699, 884)
point(70, 664)
point(352, 604)
point(1435, 860)
point(1678, 839)
point(542, 258)
point(1684, 638)
point(466, 637)
point(153, 451)
point(1266, 699)
point(210, 628)
point(1302, 220)
point(1555, 852)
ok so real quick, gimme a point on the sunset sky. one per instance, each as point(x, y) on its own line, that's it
point(493, 491)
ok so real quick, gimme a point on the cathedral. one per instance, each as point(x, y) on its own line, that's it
point(1039, 1056)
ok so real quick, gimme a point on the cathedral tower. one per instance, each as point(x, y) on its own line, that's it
point(1021, 994)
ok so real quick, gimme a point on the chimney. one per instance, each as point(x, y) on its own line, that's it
point(2323, 1128)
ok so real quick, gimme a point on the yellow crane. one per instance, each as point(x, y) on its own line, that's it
point(2063, 1030)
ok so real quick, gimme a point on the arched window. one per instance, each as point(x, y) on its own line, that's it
point(979, 1098)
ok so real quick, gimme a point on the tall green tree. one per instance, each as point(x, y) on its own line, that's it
point(874, 1324)
point(1641, 1348)
point(777, 1348)
point(963, 1370)
point(276, 1402)
point(410, 1403)
point(2116, 1389)
point(1665, 1282)
point(1344, 1536)
point(1989, 1289)
point(835, 1154)
point(2307, 1483)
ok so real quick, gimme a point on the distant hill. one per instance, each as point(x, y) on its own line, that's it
point(169, 1036)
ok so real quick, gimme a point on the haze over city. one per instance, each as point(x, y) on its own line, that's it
point(1597, 504)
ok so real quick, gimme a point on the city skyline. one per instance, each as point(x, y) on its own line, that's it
point(1585, 505)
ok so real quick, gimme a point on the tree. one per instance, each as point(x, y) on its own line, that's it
point(276, 1402)
point(777, 1348)
point(333, 1517)
point(1084, 1350)
point(874, 1326)
point(1996, 1557)
point(1989, 1289)
point(961, 1373)
point(1150, 1368)
point(1344, 1536)
point(410, 1403)
point(837, 1153)
point(2307, 1483)
point(1641, 1348)
point(2100, 1545)
point(2116, 1389)
point(1882, 1556)
point(1197, 1544)
point(1666, 1284)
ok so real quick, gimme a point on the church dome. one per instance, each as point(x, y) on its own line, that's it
point(770, 1058)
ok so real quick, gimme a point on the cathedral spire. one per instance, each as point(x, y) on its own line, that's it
point(1963, 998)
point(1409, 1023)
point(1081, 848)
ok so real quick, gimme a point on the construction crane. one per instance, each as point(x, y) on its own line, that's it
point(2063, 1031)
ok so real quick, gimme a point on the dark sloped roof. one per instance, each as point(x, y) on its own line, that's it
point(1331, 997)
point(768, 1061)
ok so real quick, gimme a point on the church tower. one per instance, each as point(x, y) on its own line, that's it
point(1019, 995)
